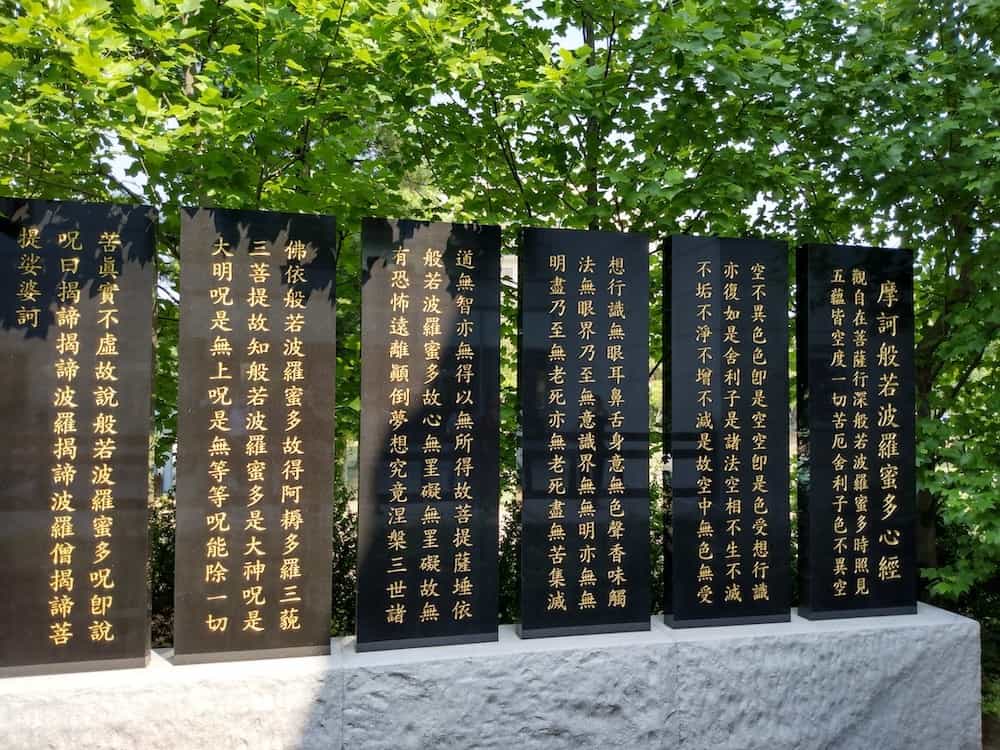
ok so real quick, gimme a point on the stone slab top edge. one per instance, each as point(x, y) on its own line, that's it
point(162, 671)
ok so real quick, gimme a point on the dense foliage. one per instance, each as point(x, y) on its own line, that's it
point(868, 121)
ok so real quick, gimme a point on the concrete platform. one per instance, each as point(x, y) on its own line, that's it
point(876, 683)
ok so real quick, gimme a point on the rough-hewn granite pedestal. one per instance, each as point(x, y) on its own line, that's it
point(873, 684)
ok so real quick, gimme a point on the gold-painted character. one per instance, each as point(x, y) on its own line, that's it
point(217, 624)
point(29, 237)
point(61, 606)
point(60, 633)
point(101, 631)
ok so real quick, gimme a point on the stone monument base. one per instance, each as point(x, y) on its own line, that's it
point(880, 683)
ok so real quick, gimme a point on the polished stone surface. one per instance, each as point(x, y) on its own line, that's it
point(257, 355)
point(856, 472)
point(429, 454)
point(726, 429)
point(583, 385)
point(77, 287)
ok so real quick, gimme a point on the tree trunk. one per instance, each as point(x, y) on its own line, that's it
point(592, 134)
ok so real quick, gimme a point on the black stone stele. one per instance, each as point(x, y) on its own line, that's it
point(583, 371)
point(430, 415)
point(77, 285)
point(255, 435)
point(856, 496)
point(726, 430)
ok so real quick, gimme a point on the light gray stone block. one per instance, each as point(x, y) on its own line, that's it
point(875, 683)
point(264, 705)
point(883, 682)
point(614, 690)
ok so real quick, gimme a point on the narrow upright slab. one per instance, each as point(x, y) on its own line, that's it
point(583, 380)
point(255, 442)
point(726, 310)
point(430, 412)
point(857, 509)
point(76, 345)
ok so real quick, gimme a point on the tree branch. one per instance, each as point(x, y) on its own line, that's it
point(655, 367)
point(508, 153)
point(971, 367)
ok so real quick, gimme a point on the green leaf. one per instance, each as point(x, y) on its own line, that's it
point(672, 176)
point(146, 102)
point(7, 62)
